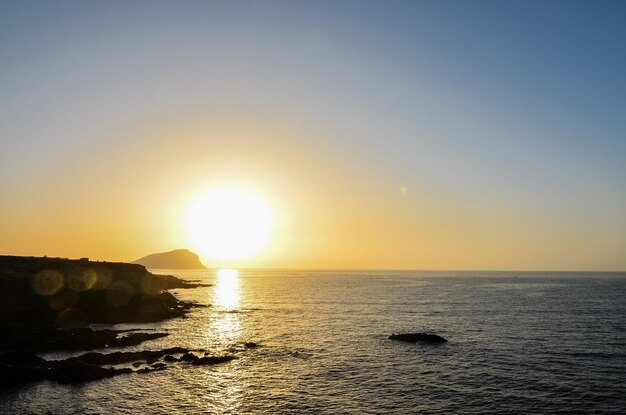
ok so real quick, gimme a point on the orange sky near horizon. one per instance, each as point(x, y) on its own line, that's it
point(329, 211)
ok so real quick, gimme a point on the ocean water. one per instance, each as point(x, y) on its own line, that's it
point(518, 343)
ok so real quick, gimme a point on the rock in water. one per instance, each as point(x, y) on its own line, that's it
point(212, 360)
point(418, 337)
point(189, 357)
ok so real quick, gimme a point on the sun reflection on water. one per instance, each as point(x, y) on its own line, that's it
point(227, 292)
point(225, 326)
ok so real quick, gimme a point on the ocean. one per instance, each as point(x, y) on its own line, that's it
point(517, 343)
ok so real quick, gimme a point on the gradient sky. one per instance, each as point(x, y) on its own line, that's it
point(503, 121)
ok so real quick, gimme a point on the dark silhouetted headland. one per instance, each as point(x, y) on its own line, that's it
point(66, 292)
point(177, 259)
point(46, 304)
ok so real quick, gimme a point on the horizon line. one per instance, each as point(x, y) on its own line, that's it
point(406, 270)
point(335, 269)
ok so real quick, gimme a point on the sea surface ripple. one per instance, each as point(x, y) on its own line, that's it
point(518, 343)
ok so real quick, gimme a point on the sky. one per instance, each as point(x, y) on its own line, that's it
point(484, 135)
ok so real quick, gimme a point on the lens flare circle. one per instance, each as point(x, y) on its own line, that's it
point(47, 282)
point(229, 223)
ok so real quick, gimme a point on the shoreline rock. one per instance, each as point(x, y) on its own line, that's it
point(49, 338)
point(19, 368)
point(72, 293)
point(46, 305)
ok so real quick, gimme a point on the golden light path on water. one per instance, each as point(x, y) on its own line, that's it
point(226, 301)
point(225, 328)
point(227, 292)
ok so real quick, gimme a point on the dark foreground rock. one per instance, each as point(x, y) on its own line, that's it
point(46, 304)
point(117, 358)
point(77, 372)
point(18, 368)
point(418, 337)
point(46, 338)
point(71, 293)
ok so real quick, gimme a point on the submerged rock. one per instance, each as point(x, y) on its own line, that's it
point(145, 370)
point(159, 366)
point(189, 357)
point(418, 337)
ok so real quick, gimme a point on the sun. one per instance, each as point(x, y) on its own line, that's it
point(229, 223)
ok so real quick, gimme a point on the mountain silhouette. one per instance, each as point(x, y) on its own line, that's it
point(177, 259)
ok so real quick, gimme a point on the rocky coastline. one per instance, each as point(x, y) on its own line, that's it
point(47, 305)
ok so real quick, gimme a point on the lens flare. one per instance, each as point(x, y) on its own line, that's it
point(47, 282)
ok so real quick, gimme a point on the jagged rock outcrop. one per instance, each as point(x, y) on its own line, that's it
point(18, 368)
point(46, 303)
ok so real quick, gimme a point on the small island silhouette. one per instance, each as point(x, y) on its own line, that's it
point(177, 259)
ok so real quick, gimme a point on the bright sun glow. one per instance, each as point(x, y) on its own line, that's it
point(229, 223)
